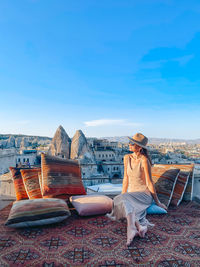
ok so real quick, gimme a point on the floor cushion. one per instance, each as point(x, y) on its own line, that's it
point(183, 188)
point(164, 178)
point(188, 190)
point(20, 190)
point(31, 182)
point(180, 187)
point(155, 209)
point(60, 177)
point(40, 181)
point(93, 204)
point(34, 212)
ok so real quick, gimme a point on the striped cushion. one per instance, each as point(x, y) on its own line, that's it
point(18, 184)
point(61, 178)
point(40, 181)
point(164, 179)
point(180, 186)
point(31, 182)
point(34, 212)
point(183, 188)
point(187, 191)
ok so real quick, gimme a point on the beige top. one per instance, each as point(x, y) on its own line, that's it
point(136, 175)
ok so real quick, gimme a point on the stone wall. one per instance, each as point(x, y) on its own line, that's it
point(7, 159)
point(6, 186)
point(10, 157)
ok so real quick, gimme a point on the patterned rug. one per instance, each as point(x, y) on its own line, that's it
point(97, 241)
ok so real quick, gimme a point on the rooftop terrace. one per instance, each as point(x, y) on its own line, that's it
point(98, 241)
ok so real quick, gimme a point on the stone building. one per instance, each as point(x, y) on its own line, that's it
point(108, 162)
point(105, 155)
point(7, 159)
point(11, 157)
point(27, 156)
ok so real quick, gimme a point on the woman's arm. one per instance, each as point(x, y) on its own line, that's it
point(149, 182)
point(125, 180)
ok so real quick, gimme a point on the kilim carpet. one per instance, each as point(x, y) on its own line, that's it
point(97, 241)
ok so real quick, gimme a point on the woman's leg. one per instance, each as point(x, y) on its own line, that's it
point(142, 230)
point(131, 228)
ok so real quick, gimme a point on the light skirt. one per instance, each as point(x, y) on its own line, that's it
point(126, 203)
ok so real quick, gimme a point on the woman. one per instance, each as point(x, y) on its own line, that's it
point(138, 190)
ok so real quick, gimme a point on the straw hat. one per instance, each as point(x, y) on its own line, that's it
point(139, 139)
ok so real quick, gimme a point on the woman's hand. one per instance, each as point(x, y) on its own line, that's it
point(161, 205)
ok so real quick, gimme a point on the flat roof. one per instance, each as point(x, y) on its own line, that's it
point(107, 187)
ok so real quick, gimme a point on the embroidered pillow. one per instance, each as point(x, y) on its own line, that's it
point(31, 182)
point(61, 178)
point(34, 212)
point(164, 178)
point(93, 204)
point(18, 184)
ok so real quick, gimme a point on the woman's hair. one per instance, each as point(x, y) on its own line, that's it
point(144, 152)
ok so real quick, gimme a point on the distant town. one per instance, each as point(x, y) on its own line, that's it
point(101, 159)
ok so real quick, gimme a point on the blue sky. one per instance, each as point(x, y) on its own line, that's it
point(109, 67)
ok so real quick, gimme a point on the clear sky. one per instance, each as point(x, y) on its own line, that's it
point(107, 67)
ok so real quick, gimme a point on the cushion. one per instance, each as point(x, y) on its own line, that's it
point(93, 204)
point(154, 209)
point(31, 182)
point(40, 181)
point(164, 179)
point(187, 191)
point(180, 187)
point(34, 212)
point(61, 178)
point(18, 184)
point(183, 188)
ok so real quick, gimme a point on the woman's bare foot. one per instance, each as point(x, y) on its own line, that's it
point(131, 233)
point(142, 230)
point(108, 215)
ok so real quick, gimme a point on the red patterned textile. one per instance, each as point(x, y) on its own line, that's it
point(61, 178)
point(18, 184)
point(31, 182)
point(97, 241)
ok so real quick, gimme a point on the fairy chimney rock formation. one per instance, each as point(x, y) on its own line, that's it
point(11, 142)
point(79, 147)
point(24, 143)
point(60, 145)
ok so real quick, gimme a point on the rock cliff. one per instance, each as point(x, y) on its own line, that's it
point(20, 141)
